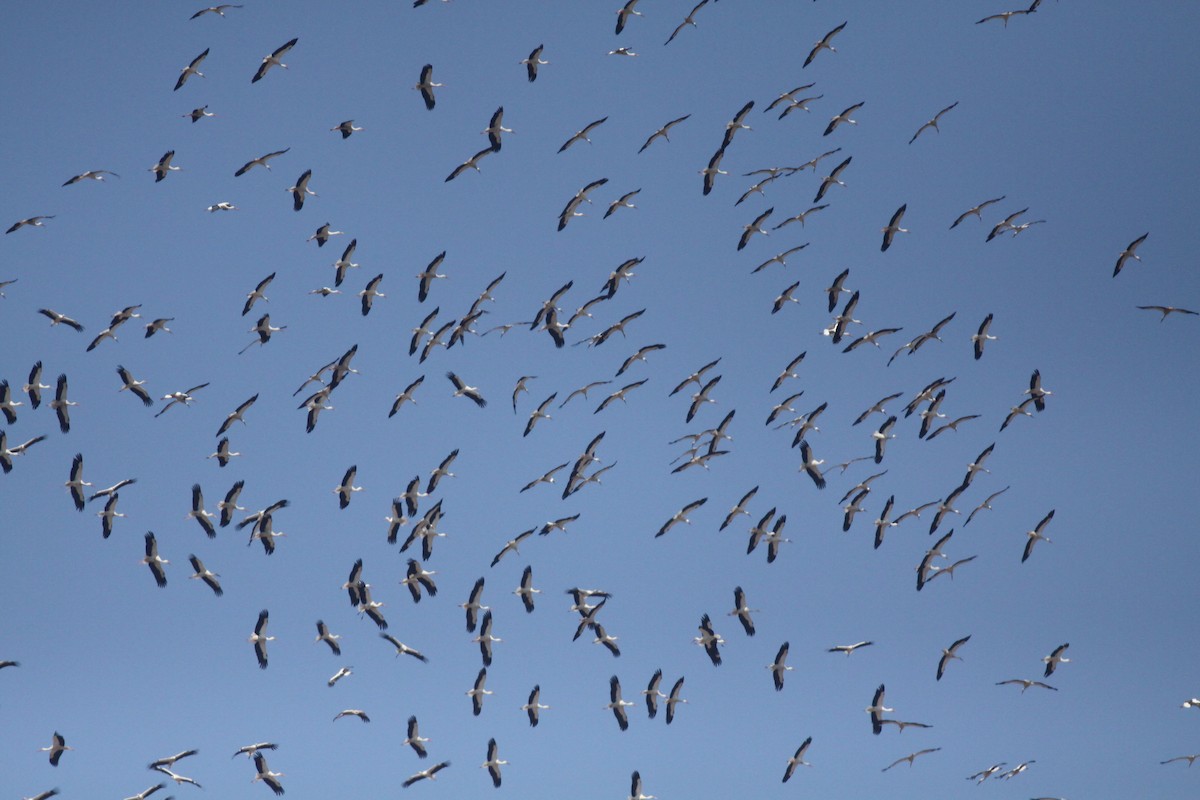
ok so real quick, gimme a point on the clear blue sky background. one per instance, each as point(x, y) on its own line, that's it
point(1083, 112)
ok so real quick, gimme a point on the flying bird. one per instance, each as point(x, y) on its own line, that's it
point(426, 86)
point(160, 170)
point(331, 639)
point(92, 174)
point(191, 69)
point(838, 119)
point(462, 390)
point(797, 759)
point(583, 133)
point(259, 639)
point(933, 123)
point(754, 227)
point(893, 227)
point(779, 666)
point(300, 190)
point(824, 44)
point(533, 62)
point(665, 130)
point(981, 337)
point(673, 699)
point(911, 757)
point(709, 640)
point(832, 178)
point(1032, 538)
point(58, 746)
point(950, 653)
point(32, 222)
point(877, 710)
point(59, 319)
point(430, 773)
point(1055, 658)
point(154, 561)
point(976, 211)
point(1168, 310)
point(681, 516)
point(273, 60)
point(1124, 256)
point(264, 772)
point(264, 161)
point(346, 128)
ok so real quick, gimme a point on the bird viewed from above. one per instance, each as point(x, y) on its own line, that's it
point(829, 346)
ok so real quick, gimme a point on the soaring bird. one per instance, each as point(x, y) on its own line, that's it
point(218, 10)
point(273, 60)
point(493, 763)
point(525, 590)
point(346, 128)
point(582, 134)
point(981, 337)
point(911, 757)
point(533, 62)
point(976, 211)
point(779, 666)
point(893, 227)
point(414, 739)
point(681, 516)
point(797, 759)
point(950, 653)
point(709, 640)
point(191, 69)
point(933, 123)
point(832, 178)
point(154, 561)
point(673, 699)
point(478, 691)
point(824, 44)
point(199, 514)
point(58, 746)
point(300, 190)
point(91, 174)
point(430, 773)
point(264, 161)
point(462, 390)
point(237, 415)
point(160, 171)
point(331, 639)
point(1032, 538)
point(1126, 254)
point(754, 227)
point(616, 704)
point(259, 639)
point(264, 773)
point(495, 128)
point(1166, 311)
point(690, 19)
point(33, 222)
point(404, 650)
point(60, 319)
point(877, 710)
point(713, 169)
point(665, 130)
point(369, 293)
point(62, 405)
point(570, 210)
point(1055, 658)
point(623, 14)
point(426, 86)
point(838, 119)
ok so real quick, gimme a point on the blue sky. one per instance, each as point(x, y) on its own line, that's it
point(1078, 113)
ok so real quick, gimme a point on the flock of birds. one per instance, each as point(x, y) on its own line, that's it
point(415, 518)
